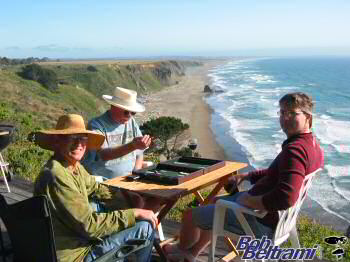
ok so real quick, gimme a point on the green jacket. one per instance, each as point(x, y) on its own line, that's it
point(76, 226)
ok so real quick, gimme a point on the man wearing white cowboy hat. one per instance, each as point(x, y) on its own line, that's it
point(81, 233)
point(123, 148)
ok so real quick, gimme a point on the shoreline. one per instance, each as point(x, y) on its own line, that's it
point(187, 103)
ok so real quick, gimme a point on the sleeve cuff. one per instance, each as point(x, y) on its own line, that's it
point(130, 217)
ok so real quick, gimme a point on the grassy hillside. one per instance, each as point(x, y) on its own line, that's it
point(28, 105)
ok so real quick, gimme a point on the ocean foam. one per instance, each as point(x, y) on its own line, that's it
point(323, 192)
point(261, 79)
point(330, 131)
point(337, 171)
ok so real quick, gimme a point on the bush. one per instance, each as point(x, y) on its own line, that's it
point(44, 76)
point(25, 158)
point(91, 68)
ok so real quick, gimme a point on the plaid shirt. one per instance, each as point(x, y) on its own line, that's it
point(77, 226)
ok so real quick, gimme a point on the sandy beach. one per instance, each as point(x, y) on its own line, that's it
point(185, 101)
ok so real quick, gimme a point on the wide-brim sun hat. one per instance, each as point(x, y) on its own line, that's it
point(67, 125)
point(125, 99)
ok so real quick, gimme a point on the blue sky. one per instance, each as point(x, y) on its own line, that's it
point(131, 28)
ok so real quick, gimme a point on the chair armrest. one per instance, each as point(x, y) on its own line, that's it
point(100, 179)
point(239, 211)
point(239, 208)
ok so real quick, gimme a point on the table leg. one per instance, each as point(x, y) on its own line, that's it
point(166, 209)
point(199, 197)
point(212, 194)
point(161, 215)
point(156, 244)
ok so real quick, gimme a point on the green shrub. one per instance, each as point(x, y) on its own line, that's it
point(25, 158)
point(44, 76)
point(91, 68)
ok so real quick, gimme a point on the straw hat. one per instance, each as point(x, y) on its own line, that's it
point(125, 99)
point(67, 125)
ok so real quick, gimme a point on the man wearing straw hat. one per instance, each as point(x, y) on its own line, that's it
point(123, 148)
point(81, 233)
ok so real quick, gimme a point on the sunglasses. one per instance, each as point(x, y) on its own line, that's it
point(126, 113)
point(77, 138)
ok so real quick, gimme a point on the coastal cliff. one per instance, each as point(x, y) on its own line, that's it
point(29, 104)
point(81, 84)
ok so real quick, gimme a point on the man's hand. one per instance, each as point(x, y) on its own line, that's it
point(144, 214)
point(141, 142)
point(253, 202)
point(234, 181)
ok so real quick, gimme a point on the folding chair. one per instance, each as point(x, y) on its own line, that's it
point(29, 227)
point(6, 132)
point(30, 230)
point(286, 226)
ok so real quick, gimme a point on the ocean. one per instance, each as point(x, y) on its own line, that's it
point(246, 124)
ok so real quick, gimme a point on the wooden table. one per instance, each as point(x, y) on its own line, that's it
point(169, 194)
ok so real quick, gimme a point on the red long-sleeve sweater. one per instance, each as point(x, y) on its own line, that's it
point(281, 182)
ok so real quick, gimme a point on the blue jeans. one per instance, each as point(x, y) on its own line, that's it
point(203, 217)
point(141, 230)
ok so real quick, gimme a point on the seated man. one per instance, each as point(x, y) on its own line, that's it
point(275, 188)
point(81, 233)
point(122, 151)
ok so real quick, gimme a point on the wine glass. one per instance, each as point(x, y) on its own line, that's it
point(192, 144)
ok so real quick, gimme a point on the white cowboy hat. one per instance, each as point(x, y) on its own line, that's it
point(67, 125)
point(125, 99)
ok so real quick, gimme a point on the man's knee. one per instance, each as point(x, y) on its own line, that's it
point(145, 228)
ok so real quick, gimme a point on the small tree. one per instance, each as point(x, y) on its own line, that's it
point(165, 128)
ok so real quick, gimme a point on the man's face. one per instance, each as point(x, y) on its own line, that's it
point(120, 115)
point(72, 147)
point(294, 121)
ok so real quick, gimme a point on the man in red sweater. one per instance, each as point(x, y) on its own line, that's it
point(275, 188)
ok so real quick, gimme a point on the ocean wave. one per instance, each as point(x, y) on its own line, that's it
point(268, 91)
point(343, 148)
point(258, 78)
point(342, 185)
point(337, 171)
point(288, 88)
point(323, 116)
point(330, 211)
point(331, 131)
point(323, 192)
point(246, 87)
point(241, 132)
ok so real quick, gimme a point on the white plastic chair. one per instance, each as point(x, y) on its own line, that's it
point(4, 171)
point(286, 227)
